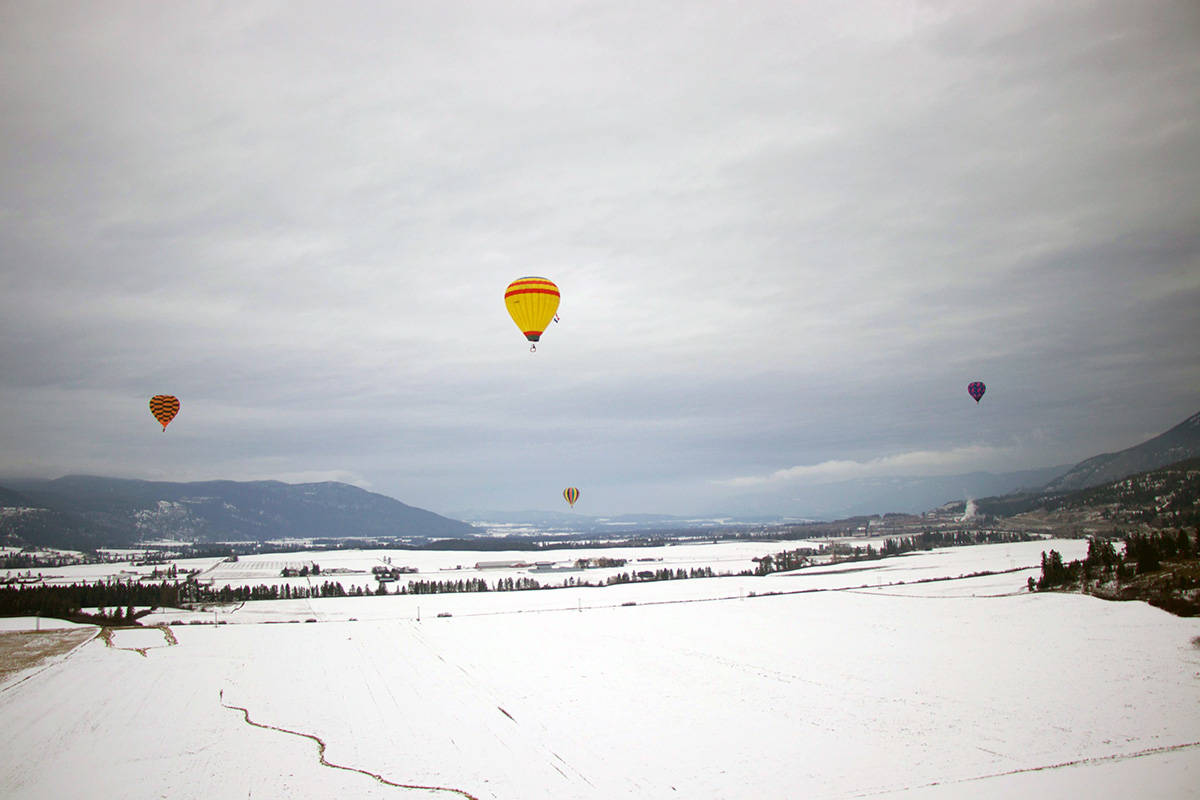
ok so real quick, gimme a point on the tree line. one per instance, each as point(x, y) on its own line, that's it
point(795, 559)
point(117, 600)
point(1143, 554)
point(931, 539)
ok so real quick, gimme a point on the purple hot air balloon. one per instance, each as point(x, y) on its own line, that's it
point(976, 389)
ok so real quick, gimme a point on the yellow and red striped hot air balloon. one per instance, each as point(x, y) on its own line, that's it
point(532, 303)
point(571, 494)
point(164, 407)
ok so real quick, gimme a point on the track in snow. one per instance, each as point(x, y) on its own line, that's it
point(1152, 751)
point(327, 763)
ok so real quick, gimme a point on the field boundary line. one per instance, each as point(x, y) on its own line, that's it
point(106, 633)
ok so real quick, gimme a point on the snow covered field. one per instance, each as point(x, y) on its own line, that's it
point(702, 688)
point(36, 624)
point(353, 567)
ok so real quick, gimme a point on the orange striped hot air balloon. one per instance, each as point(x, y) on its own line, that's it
point(571, 494)
point(532, 303)
point(164, 407)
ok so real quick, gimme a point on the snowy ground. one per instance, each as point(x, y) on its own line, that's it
point(36, 624)
point(112, 571)
point(942, 689)
point(353, 567)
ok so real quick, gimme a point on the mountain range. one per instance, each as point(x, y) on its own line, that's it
point(1166, 496)
point(828, 501)
point(89, 511)
point(912, 495)
point(1177, 444)
point(900, 494)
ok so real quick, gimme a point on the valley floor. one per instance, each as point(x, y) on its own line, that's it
point(867, 687)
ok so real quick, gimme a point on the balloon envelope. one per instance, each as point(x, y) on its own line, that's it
point(571, 494)
point(976, 389)
point(532, 303)
point(164, 407)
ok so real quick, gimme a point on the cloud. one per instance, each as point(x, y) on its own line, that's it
point(913, 463)
point(786, 233)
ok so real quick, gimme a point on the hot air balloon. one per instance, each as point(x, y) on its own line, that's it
point(164, 407)
point(976, 389)
point(571, 494)
point(531, 303)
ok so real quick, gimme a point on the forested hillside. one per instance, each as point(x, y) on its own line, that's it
point(88, 512)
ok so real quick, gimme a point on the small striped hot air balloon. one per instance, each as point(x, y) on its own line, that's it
point(571, 494)
point(532, 303)
point(164, 407)
point(976, 389)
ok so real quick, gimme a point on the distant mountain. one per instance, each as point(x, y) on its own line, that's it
point(828, 501)
point(11, 499)
point(88, 511)
point(511, 522)
point(910, 495)
point(539, 518)
point(1166, 496)
point(1181, 442)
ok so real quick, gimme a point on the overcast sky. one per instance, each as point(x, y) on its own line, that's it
point(787, 236)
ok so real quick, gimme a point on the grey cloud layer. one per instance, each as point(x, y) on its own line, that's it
point(786, 234)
